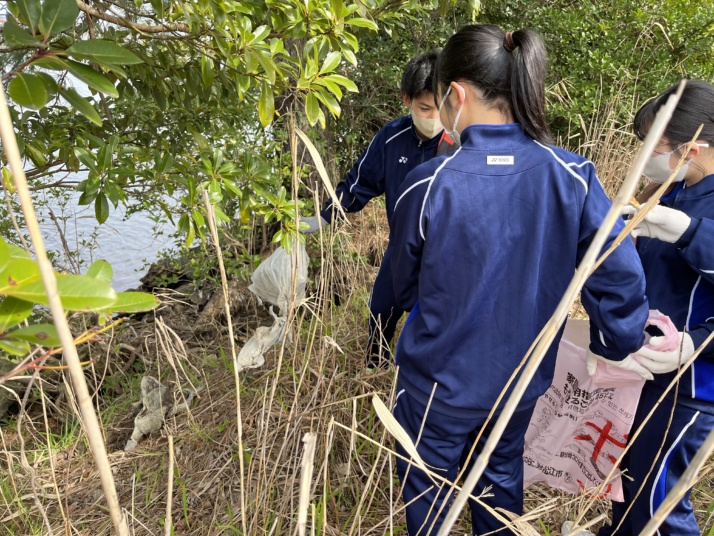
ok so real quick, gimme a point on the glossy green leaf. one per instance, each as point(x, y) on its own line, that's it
point(114, 192)
point(268, 66)
point(29, 11)
point(16, 274)
point(29, 91)
point(350, 56)
point(88, 197)
point(50, 83)
point(88, 160)
point(101, 270)
point(101, 207)
point(39, 334)
point(77, 292)
point(362, 23)
point(330, 86)
point(15, 347)
point(119, 71)
point(158, 6)
point(331, 62)
point(53, 63)
point(330, 103)
point(12, 312)
point(92, 78)
point(259, 34)
point(16, 252)
point(7, 181)
point(312, 108)
point(351, 41)
point(82, 105)
point(36, 155)
point(4, 251)
point(132, 302)
point(103, 52)
point(17, 36)
point(207, 73)
point(266, 105)
point(57, 16)
point(345, 82)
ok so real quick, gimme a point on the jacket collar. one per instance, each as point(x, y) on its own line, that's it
point(494, 137)
point(683, 192)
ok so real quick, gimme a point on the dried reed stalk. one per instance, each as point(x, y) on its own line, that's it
point(81, 392)
point(553, 325)
point(168, 527)
point(307, 466)
point(224, 285)
point(317, 160)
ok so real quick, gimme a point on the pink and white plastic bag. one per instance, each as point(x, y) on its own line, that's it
point(580, 425)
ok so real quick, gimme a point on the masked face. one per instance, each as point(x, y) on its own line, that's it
point(427, 127)
point(657, 167)
point(453, 134)
point(424, 115)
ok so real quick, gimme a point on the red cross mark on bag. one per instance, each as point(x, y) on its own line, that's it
point(602, 439)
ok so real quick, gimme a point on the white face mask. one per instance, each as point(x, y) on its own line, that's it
point(455, 136)
point(426, 126)
point(657, 167)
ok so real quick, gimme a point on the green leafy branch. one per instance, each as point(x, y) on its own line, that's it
point(21, 288)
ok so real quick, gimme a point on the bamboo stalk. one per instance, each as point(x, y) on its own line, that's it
point(211, 217)
point(81, 392)
point(561, 312)
point(685, 482)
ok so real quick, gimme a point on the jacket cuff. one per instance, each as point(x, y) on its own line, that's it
point(330, 213)
point(686, 237)
point(699, 335)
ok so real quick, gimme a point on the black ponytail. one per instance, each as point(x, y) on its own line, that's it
point(695, 107)
point(508, 69)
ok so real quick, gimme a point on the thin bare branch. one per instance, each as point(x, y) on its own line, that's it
point(139, 27)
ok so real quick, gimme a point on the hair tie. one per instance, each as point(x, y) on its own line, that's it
point(508, 43)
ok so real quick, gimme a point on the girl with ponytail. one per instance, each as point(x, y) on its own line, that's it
point(485, 242)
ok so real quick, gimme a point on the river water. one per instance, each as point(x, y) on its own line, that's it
point(130, 244)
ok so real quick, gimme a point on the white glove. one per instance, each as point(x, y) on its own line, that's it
point(626, 364)
point(662, 223)
point(661, 361)
point(314, 223)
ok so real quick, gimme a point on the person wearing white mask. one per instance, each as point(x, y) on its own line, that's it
point(398, 148)
point(485, 243)
point(675, 242)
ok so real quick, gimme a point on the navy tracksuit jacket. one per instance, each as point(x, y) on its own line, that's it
point(485, 242)
point(680, 283)
point(392, 153)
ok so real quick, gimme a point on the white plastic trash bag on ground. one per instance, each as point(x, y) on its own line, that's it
point(273, 282)
point(251, 355)
point(273, 279)
point(581, 424)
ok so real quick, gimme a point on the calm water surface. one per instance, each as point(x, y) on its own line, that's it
point(129, 244)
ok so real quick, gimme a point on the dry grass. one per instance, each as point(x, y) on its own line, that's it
point(317, 383)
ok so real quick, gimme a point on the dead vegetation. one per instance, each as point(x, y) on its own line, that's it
point(237, 450)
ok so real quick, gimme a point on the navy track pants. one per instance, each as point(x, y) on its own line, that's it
point(384, 314)
point(687, 432)
point(444, 443)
